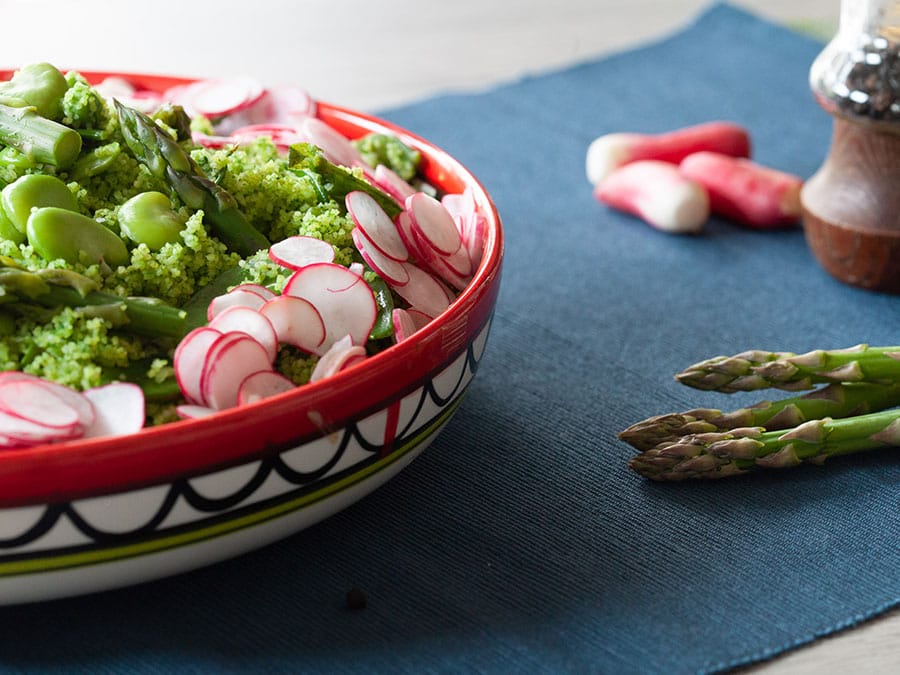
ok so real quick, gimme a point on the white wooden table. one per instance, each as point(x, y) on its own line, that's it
point(330, 49)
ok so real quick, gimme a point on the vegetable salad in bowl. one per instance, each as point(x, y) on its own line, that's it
point(167, 255)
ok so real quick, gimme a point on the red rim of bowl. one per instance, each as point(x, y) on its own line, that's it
point(78, 469)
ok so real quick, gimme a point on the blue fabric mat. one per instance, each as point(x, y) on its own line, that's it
point(520, 541)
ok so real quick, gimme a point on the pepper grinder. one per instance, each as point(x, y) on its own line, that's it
point(851, 206)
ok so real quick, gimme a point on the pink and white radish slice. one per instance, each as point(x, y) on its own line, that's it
point(388, 180)
point(341, 355)
point(343, 299)
point(424, 291)
point(120, 409)
point(263, 384)
point(190, 359)
point(249, 322)
point(301, 250)
point(376, 224)
point(391, 270)
point(217, 98)
point(229, 361)
point(253, 296)
point(296, 322)
point(336, 147)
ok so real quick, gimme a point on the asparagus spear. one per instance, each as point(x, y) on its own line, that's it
point(738, 451)
point(165, 159)
point(333, 181)
point(37, 137)
point(758, 369)
point(22, 289)
point(834, 400)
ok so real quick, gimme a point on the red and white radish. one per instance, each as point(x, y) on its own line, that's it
point(391, 270)
point(336, 147)
point(424, 291)
point(189, 361)
point(403, 323)
point(343, 299)
point(299, 251)
point(296, 322)
point(253, 296)
point(657, 192)
point(29, 400)
point(430, 219)
point(249, 322)
point(71, 398)
point(218, 98)
point(608, 152)
point(288, 105)
point(120, 409)
point(388, 180)
point(229, 360)
point(282, 135)
point(340, 355)
point(745, 191)
point(189, 411)
point(376, 224)
point(263, 384)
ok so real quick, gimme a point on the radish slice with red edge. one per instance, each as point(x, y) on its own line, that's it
point(263, 384)
point(389, 269)
point(189, 359)
point(404, 228)
point(343, 299)
point(288, 104)
point(243, 295)
point(249, 322)
point(230, 359)
point(432, 220)
point(388, 180)
point(218, 98)
point(376, 224)
point(339, 356)
point(22, 431)
point(335, 146)
point(301, 250)
point(73, 399)
point(120, 409)
point(424, 291)
point(443, 269)
point(214, 142)
point(296, 322)
point(282, 135)
point(404, 326)
point(33, 402)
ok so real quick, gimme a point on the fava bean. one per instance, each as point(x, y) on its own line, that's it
point(59, 233)
point(34, 191)
point(8, 231)
point(148, 218)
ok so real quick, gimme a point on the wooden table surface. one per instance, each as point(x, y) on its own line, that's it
point(332, 50)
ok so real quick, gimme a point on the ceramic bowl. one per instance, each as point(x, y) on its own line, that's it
point(97, 514)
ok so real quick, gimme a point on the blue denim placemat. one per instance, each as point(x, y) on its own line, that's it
point(520, 542)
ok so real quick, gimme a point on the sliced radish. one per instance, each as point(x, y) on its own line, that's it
point(404, 326)
point(189, 359)
point(36, 403)
point(218, 98)
point(301, 250)
point(335, 146)
point(342, 354)
point(343, 299)
point(253, 296)
point(388, 180)
point(296, 322)
point(424, 291)
point(282, 135)
point(419, 318)
point(120, 409)
point(389, 269)
point(263, 384)
point(443, 268)
point(357, 268)
point(189, 411)
point(250, 322)
point(288, 104)
point(475, 229)
point(431, 219)
point(376, 224)
point(229, 360)
point(22, 431)
point(215, 142)
point(72, 398)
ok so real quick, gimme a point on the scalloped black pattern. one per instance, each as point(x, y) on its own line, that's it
point(214, 510)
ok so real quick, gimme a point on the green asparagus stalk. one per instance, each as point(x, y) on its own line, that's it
point(833, 400)
point(21, 289)
point(333, 181)
point(166, 159)
point(757, 369)
point(37, 137)
point(738, 451)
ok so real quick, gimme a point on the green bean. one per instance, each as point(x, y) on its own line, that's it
point(34, 191)
point(148, 218)
point(58, 233)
